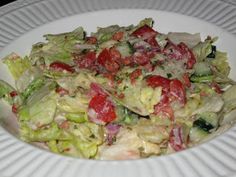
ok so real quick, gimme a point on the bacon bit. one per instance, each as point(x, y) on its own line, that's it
point(134, 75)
point(13, 93)
point(91, 40)
point(186, 80)
point(118, 35)
point(61, 91)
point(14, 108)
point(64, 125)
point(112, 66)
point(216, 88)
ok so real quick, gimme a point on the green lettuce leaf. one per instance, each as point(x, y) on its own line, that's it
point(221, 63)
point(42, 135)
point(58, 48)
point(16, 64)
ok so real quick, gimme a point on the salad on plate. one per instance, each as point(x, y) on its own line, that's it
point(120, 93)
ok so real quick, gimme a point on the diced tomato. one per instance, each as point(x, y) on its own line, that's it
point(158, 81)
point(91, 40)
point(112, 66)
point(145, 32)
point(115, 54)
point(141, 58)
point(109, 59)
point(191, 60)
point(60, 66)
point(101, 109)
point(103, 57)
point(152, 41)
point(177, 91)
point(14, 108)
point(216, 87)
point(96, 89)
point(118, 35)
point(87, 60)
point(61, 91)
point(186, 80)
point(163, 108)
point(135, 74)
point(13, 93)
point(176, 139)
point(173, 51)
point(179, 52)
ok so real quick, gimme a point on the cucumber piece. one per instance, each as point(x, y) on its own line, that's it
point(202, 124)
point(197, 134)
point(125, 49)
point(201, 79)
point(210, 118)
point(202, 69)
point(213, 52)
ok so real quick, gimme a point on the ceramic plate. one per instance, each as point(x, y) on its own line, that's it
point(24, 22)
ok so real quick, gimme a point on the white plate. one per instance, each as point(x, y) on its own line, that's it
point(24, 22)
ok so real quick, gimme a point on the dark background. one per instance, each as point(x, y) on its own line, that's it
point(4, 2)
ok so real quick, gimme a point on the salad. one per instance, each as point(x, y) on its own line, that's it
point(120, 93)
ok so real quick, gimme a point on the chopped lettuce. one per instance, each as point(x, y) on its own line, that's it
point(40, 113)
point(16, 64)
point(27, 77)
point(58, 48)
point(53, 132)
point(202, 50)
point(5, 88)
point(190, 40)
point(221, 63)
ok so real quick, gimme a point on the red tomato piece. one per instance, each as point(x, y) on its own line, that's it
point(60, 66)
point(177, 91)
point(216, 87)
point(176, 138)
point(191, 60)
point(152, 41)
point(87, 60)
point(14, 108)
point(173, 51)
point(145, 32)
point(186, 80)
point(115, 54)
point(158, 81)
point(101, 109)
point(13, 93)
point(141, 58)
point(103, 57)
point(135, 74)
point(96, 89)
point(163, 108)
point(118, 35)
